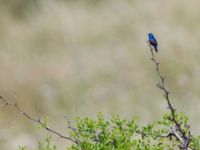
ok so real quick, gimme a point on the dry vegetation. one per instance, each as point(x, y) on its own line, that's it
point(81, 57)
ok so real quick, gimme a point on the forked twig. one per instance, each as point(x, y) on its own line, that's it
point(37, 121)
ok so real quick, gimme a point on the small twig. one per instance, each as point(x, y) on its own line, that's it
point(69, 124)
point(179, 132)
point(158, 136)
point(37, 121)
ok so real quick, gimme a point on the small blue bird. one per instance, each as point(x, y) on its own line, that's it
point(152, 41)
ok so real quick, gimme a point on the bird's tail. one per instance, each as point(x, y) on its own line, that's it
point(156, 49)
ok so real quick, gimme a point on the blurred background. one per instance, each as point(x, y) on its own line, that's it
point(79, 57)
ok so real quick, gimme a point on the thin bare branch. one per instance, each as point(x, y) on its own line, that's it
point(179, 133)
point(37, 121)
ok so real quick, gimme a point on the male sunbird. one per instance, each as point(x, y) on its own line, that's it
point(152, 41)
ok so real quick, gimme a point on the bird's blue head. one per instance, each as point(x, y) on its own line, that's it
point(150, 35)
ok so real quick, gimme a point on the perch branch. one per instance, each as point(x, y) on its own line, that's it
point(178, 132)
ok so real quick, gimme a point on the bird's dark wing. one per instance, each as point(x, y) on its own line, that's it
point(153, 42)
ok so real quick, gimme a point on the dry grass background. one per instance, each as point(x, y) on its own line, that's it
point(84, 56)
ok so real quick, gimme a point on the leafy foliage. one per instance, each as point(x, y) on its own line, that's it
point(116, 133)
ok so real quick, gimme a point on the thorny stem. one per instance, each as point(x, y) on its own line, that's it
point(178, 132)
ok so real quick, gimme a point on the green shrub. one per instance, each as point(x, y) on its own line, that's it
point(121, 134)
